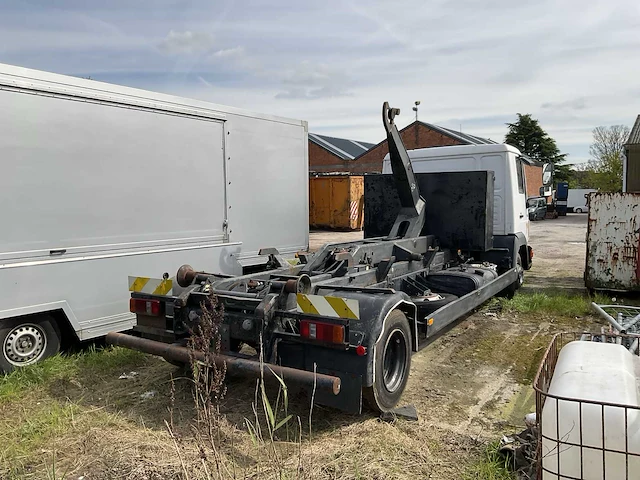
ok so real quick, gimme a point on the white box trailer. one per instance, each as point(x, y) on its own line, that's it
point(100, 182)
point(577, 199)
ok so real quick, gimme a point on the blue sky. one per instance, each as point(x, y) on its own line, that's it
point(473, 64)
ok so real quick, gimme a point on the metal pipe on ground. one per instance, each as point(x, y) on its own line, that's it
point(608, 318)
point(241, 366)
point(632, 323)
point(634, 346)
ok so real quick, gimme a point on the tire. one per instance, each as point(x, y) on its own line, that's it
point(392, 363)
point(577, 210)
point(25, 341)
point(427, 307)
point(510, 291)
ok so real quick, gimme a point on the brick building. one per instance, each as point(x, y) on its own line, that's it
point(330, 154)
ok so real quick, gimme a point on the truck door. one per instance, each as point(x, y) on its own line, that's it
point(520, 200)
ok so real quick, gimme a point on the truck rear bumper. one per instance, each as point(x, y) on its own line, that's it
point(234, 365)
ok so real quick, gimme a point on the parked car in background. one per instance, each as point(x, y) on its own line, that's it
point(537, 208)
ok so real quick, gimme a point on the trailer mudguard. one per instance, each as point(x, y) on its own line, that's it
point(374, 310)
point(354, 371)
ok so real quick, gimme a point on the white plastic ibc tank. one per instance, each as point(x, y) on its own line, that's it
point(601, 372)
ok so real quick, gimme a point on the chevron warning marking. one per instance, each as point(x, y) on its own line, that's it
point(335, 307)
point(154, 286)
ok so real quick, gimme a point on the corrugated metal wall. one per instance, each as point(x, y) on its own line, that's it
point(633, 169)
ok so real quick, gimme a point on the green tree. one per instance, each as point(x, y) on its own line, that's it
point(604, 170)
point(527, 135)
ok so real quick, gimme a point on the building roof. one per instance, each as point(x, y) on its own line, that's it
point(463, 137)
point(634, 136)
point(341, 147)
point(467, 139)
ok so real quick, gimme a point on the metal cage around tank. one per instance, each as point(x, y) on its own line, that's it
point(552, 470)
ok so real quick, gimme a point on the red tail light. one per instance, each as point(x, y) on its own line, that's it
point(145, 307)
point(324, 332)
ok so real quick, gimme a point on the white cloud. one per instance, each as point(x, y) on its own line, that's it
point(310, 80)
point(229, 52)
point(186, 42)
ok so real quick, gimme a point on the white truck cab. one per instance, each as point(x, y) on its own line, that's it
point(510, 218)
point(510, 189)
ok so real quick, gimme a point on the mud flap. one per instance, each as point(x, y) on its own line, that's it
point(350, 397)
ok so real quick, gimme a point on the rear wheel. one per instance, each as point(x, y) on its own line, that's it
point(510, 291)
point(392, 362)
point(577, 210)
point(26, 341)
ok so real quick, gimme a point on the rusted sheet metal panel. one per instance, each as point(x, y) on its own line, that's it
point(356, 203)
point(613, 240)
point(336, 201)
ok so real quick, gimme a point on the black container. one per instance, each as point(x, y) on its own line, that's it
point(459, 207)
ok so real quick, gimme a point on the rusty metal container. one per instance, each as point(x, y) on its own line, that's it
point(613, 238)
point(336, 202)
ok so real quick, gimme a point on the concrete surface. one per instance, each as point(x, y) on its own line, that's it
point(559, 247)
point(318, 238)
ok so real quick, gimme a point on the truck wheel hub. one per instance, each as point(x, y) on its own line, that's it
point(394, 361)
point(24, 345)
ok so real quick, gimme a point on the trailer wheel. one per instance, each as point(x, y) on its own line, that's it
point(392, 363)
point(27, 340)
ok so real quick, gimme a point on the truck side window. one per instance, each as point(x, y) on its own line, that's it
point(520, 171)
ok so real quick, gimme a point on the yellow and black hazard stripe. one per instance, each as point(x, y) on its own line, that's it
point(335, 307)
point(154, 286)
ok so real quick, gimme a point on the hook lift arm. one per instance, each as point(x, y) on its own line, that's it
point(410, 219)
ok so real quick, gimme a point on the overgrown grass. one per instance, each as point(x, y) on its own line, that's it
point(546, 303)
point(31, 428)
point(32, 418)
point(92, 361)
point(491, 466)
point(24, 379)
